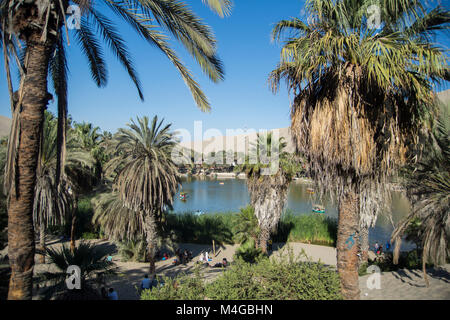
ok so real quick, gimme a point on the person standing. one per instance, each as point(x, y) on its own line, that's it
point(112, 295)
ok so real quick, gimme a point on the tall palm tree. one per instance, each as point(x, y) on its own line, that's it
point(146, 178)
point(361, 93)
point(90, 139)
point(53, 203)
point(428, 185)
point(34, 35)
point(269, 174)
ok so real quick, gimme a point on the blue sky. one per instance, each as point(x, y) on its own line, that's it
point(243, 100)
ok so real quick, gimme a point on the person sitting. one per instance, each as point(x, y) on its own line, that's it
point(185, 256)
point(201, 258)
point(112, 295)
point(380, 250)
point(222, 264)
point(146, 283)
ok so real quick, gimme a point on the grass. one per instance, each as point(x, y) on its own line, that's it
point(306, 228)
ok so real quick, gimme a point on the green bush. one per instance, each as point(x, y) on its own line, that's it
point(308, 228)
point(228, 228)
point(248, 253)
point(279, 279)
point(202, 229)
point(182, 287)
point(132, 251)
point(90, 236)
point(362, 271)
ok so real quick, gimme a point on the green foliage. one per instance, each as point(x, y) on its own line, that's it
point(202, 229)
point(414, 232)
point(308, 228)
point(407, 260)
point(182, 287)
point(132, 251)
point(246, 225)
point(363, 269)
point(247, 252)
point(238, 227)
point(85, 212)
point(91, 260)
point(89, 236)
point(278, 279)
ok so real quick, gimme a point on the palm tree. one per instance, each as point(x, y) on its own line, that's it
point(53, 203)
point(246, 227)
point(428, 185)
point(92, 262)
point(361, 94)
point(34, 35)
point(90, 140)
point(146, 178)
point(268, 177)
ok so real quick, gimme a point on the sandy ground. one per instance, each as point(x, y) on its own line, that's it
point(407, 284)
point(398, 285)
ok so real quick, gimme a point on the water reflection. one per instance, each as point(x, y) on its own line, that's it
point(211, 195)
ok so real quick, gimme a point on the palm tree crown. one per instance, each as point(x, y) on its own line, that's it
point(362, 91)
point(146, 177)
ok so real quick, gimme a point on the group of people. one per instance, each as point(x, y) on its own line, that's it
point(379, 248)
point(182, 256)
point(146, 283)
point(204, 260)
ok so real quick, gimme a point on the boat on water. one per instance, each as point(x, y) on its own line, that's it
point(310, 190)
point(318, 209)
point(183, 196)
point(199, 213)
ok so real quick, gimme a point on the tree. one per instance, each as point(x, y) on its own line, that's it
point(362, 92)
point(428, 187)
point(269, 171)
point(90, 140)
point(92, 262)
point(39, 30)
point(146, 178)
point(246, 227)
point(54, 203)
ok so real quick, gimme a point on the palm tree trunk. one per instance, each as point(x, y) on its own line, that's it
point(347, 245)
point(20, 213)
point(72, 227)
point(364, 232)
point(151, 234)
point(263, 239)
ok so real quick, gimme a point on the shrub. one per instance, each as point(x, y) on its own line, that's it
point(310, 228)
point(202, 229)
point(231, 227)
point(248, 253)
point(90, 236)
point(279, 279)
point(132, 251)
point(182, 287)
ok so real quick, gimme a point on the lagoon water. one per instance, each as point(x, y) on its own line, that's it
point(210, 196)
